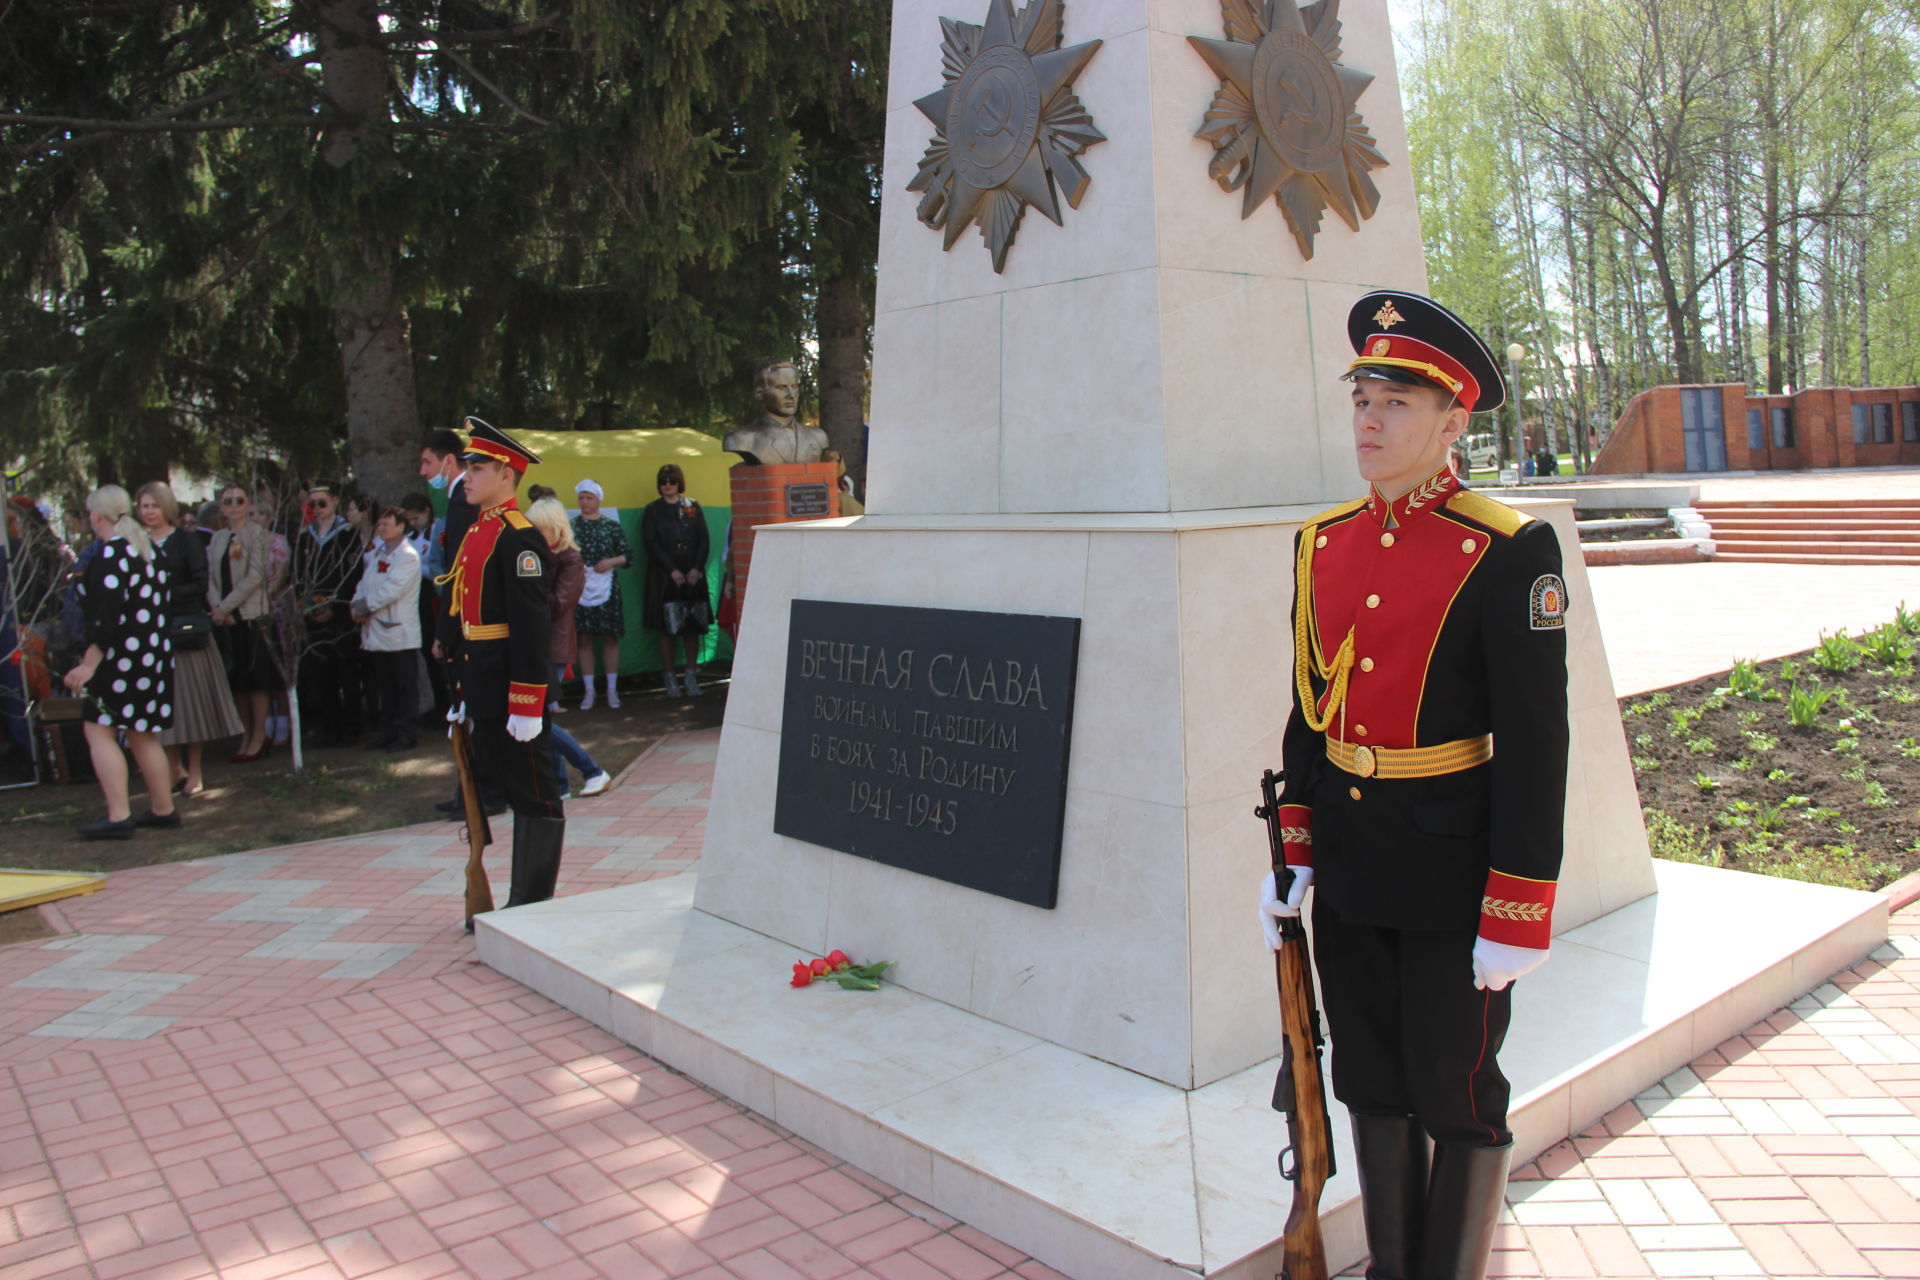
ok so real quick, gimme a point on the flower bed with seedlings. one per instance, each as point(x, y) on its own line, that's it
point(1806, 767)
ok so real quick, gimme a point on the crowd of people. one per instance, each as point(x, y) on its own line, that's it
point(247, 618)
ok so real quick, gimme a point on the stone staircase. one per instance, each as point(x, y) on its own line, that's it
point(1817, 531)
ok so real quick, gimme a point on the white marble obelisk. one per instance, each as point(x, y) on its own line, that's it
point(1125, 426)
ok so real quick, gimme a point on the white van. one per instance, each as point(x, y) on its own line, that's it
point(1483, 452)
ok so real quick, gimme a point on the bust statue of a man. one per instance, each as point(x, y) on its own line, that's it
point(777, 435)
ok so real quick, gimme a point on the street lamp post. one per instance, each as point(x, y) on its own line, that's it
point(1515, 354)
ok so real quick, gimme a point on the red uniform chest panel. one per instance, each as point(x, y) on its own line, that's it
point(470, 570)
point(1395, 596)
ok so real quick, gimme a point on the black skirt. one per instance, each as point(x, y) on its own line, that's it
point(250, 665)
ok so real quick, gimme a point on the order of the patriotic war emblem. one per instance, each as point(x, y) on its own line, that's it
point(1283, 123)
point(1007, 125)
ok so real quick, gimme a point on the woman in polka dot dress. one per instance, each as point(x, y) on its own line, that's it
point(126, 673)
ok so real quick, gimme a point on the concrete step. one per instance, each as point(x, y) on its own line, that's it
point(1805, 553)
point(1815, 504)
point(1849, 521)
point(1813, 533)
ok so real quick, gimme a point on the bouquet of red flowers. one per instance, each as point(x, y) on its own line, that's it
point(835, 966)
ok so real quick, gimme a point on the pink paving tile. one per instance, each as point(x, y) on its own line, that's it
point(955, 1259)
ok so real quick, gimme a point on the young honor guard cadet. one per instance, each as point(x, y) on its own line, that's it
point(1426, 764)
point(496, 628)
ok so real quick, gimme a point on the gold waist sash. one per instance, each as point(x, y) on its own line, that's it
point(484, 630)
point(1410, 762)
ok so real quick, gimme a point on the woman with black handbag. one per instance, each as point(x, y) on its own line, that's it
point(203, 709)
point(673, 533)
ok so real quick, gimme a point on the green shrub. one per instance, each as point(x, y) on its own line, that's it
point(1804, 705)
point(1746, 680)
point(1677, 841)
point(1888, 645)
point(1836, 653)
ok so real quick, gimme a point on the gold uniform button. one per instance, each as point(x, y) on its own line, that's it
point(1386, 539)
point(1320, 541)
point(1366, 664)
point(1373, 602)
point(1468, 546)
point(1360, 729)
point(1354, 792)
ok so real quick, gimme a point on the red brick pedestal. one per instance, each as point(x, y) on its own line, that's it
point(777, 494)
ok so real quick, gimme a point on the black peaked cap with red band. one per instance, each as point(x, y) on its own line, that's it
point(1403, 337)
point(484, 440)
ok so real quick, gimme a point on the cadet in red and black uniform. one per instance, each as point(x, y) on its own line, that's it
point(1426, 761)
point(496, 627)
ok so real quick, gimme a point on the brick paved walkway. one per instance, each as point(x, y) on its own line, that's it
point(286, 1063)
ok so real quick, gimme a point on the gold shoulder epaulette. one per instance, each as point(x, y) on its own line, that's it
point(1335, 513)
point(515, 520)
point(1496, 515)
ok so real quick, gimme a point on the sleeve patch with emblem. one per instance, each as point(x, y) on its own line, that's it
point(528, 566)
point(1547, 603)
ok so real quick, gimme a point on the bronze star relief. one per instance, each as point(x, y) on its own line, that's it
point(1283, 123)
point(1007, 125)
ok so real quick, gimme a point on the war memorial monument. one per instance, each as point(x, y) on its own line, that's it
point(1006, 729)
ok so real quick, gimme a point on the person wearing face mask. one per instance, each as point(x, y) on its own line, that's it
point(1426, 772)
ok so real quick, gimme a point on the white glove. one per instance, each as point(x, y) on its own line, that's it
point(456, 714)
point(1495, 964)
point(1272, 906)
point(523, 728)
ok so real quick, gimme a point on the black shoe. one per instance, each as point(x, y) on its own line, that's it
point(107, 829)
point(536, 858)
point(1391, 1152)
point(1464, 1197)
point(452, 808)
point(152, 819)
point(379, 738)
point(401, 742)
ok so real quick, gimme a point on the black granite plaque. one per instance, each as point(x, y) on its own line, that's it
point(934, 740)
point(809, 499)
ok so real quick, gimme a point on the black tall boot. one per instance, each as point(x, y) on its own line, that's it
point(1391, 1153)
point(1468, 1186)
point(536, 858)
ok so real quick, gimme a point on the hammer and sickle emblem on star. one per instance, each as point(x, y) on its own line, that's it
point(994, 113)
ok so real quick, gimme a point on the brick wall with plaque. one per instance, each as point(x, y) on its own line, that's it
point(934, 740)
point(775, 494)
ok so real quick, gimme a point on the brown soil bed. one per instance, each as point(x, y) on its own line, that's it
point(1727, 778)
point(341, 791)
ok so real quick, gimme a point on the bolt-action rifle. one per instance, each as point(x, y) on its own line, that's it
point(1300, 1092)
point(479, 830)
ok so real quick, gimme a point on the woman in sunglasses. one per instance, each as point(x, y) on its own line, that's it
point(239, 559)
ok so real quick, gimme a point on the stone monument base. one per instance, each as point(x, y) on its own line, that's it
point(1108, 1174)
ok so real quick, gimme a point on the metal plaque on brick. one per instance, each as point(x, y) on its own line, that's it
point(807, 500)
point(933, 740)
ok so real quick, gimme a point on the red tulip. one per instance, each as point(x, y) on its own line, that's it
point(820, 968)
point(839, 960)
point(802, 975)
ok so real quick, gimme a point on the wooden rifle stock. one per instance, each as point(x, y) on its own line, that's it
point(479, 830)
point(1300, 1092)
